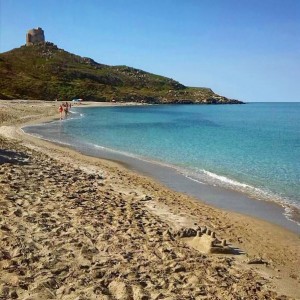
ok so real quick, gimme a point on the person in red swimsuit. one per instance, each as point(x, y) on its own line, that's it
point(61, 109)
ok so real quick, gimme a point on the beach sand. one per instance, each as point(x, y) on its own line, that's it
point(78, 227)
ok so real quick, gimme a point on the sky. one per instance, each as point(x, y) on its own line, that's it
point(242, 49)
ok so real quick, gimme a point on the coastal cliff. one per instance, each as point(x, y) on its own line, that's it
point(44, 71)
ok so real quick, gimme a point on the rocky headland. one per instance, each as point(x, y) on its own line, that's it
point(41, 70)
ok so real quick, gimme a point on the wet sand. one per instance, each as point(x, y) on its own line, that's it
point(78, 227)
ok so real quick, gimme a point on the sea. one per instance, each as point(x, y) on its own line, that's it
point(251, 151)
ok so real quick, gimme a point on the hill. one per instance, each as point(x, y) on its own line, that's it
point(43, 71)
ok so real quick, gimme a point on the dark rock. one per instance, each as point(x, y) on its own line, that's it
point(257, 261)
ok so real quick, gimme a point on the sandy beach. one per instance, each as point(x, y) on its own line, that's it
point(78, 227)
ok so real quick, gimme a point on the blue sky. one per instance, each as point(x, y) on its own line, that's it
point(243, 49)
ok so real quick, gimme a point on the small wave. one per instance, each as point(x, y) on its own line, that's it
point(289, 213)
point(260, 194)
point(226, 180)
point(100, 147)
point(128, 154)
point(254, 192)
point(73, 115)
point(77, 113)
point(43, 138)
point(196, 180)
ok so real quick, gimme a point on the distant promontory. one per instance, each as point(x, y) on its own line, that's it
point(41, 70)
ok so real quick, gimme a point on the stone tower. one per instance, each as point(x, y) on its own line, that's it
point(34, 36)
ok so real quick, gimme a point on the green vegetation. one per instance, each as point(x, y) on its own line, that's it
point(43, 71)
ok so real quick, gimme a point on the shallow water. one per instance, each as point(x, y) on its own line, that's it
point(253, 148)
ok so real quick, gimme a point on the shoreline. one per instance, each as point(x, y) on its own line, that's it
point(216, 195)
point(219, 197)
point(260, 239)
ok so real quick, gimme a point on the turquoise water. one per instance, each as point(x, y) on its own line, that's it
point(253, 148)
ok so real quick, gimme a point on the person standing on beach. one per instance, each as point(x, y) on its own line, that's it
point(60, 109)
point(66, 108)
